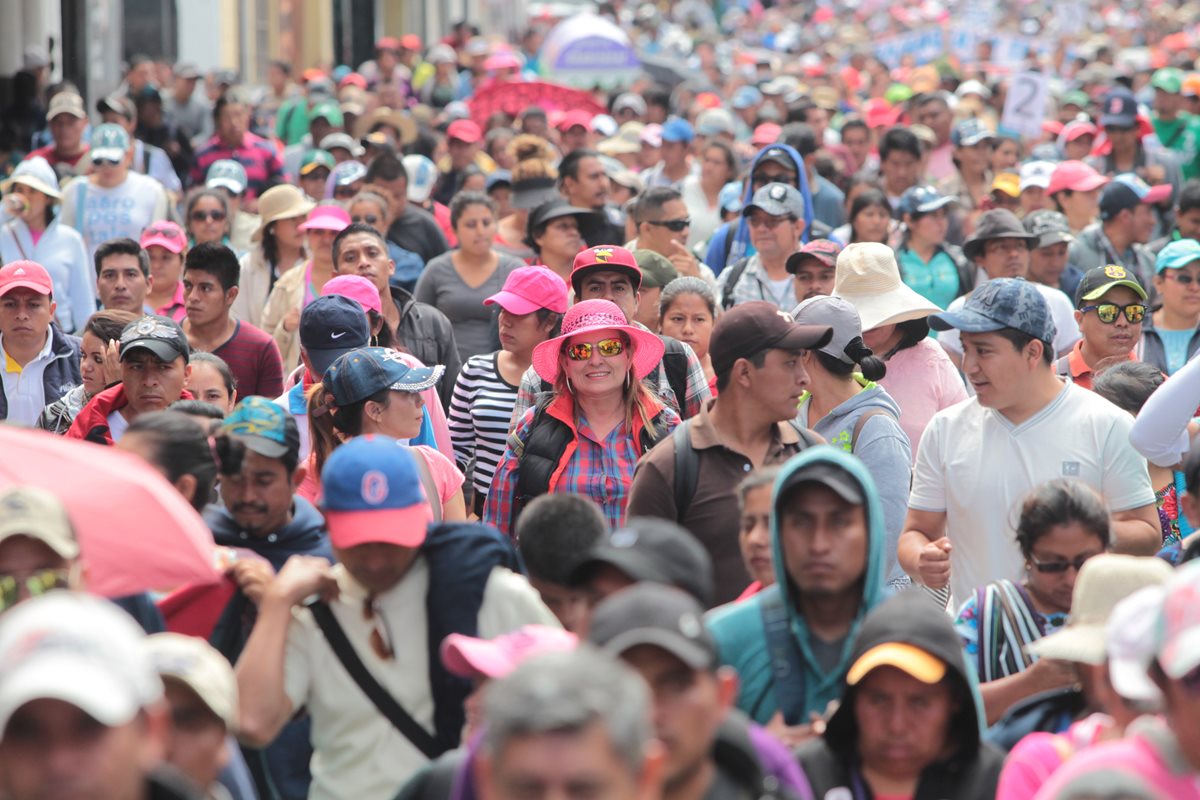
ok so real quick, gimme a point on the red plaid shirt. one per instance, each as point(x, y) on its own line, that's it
point(600, 470)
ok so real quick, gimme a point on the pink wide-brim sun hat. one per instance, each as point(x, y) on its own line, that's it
point(591, 316)
point(471, 657)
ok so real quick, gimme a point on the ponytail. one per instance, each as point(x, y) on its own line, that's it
point(872, 368)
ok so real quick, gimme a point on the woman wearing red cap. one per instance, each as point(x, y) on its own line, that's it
point(586, 435)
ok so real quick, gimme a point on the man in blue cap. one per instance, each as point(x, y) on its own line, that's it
point(1024, 427)
point(777, 218)
point(676, 164)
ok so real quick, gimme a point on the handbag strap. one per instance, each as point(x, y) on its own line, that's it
point(383, 701)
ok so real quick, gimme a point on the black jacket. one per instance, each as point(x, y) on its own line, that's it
point(61, 374)
point(971, 773)
point(425, 333)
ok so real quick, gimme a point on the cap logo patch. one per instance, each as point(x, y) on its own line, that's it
point(602, 254)
point(777, 192)
point(374, 487)
point(786, 315)
point(19, 271)
point(1114, 271)
point(626, 537)
point(689, 626)
point(1114, 106)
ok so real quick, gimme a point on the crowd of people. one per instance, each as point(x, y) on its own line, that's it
point(777, 427)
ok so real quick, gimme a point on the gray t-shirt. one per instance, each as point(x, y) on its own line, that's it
point(442, 287)
point(827, 654)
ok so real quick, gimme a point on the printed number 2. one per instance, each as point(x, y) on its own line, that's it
point(1023, 103)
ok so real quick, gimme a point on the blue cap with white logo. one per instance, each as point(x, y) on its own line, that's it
point(371, 493)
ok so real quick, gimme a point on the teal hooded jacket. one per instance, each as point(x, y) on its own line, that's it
point(739, 628)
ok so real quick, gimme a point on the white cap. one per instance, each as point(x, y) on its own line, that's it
point(973, 87)
point(422, 175)
point(79, 649)
point(1036, 173)
point(604, 125)
point(1130, 641)
point(201, 668)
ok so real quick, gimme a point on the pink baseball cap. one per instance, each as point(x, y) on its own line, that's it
point(765, 134)
point(878, 113)
point(464, 130)
point(165, 234)
point(25, 275)
point(529, 288)
point(326, 218)
point(573, 118)
point(1076, 128)
point(470, 657)
point(1076, 176)
point(357, 288)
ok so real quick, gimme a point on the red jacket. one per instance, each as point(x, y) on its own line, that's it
point(91, 424)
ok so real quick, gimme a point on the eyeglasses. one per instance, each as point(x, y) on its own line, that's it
point(1005, 245)
point(170, 231)
point(204, 216)
point(105, 162)
point(344, 192)
point(675, 225)
point(369, 219)
point(381, 633)
point(1182, 278)
point(609, 348)
point(770, 223)
point(36, 584)
point(1107, 312)
point(1059, 567)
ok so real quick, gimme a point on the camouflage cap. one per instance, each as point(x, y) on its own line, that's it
point(1001, 303)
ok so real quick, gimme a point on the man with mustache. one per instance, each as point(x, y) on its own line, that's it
point(263, 514)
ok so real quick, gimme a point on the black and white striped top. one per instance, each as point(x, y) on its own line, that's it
point(480, 411)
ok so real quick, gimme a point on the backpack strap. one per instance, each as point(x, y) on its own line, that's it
point(735, 275)
point(1062, 367)
point(787, 669)
point(861, 423)
point(427, 483)
point(384, 702)
point(687, 469)
point(675, 365)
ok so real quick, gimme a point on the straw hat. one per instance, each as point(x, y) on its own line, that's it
point(383, 115)
point(869, 277)
point(280, 202)
point(1103, 582)
point(598, 315)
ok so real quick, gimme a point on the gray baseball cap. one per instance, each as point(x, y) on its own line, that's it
point(834, 312)
point(1049, 226)
point(777, 199)
point(655, 615)
point(1001, 303)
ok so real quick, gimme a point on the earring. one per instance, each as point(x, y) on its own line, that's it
point(628, 380)
point(570, 388)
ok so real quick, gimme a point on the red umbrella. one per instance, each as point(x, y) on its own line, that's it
point(135, 530)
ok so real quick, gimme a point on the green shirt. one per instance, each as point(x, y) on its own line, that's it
point(1181, 135)
point(935, 280)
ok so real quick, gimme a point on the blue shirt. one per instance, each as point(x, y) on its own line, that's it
point(936, 281)
point(1175, 344)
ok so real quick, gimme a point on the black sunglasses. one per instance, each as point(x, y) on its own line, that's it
point(204, 216)
point(676, 225)
point(1059, 567)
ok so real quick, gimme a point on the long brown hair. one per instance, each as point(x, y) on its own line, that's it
point(328, 422)
point(637, 399)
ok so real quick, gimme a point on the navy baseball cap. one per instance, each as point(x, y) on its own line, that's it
point(923, 199)
point(371, 493)
point(264, 427)
point(330, 327)
point(1001, 303)
point(361, 373)
point(1120, 109)
point(970, 132)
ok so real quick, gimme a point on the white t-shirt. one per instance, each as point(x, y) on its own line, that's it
point(357, 752)
point(978, 467)
point(123, 210)
point(24, 389)
point(117, 425)
point(1061, 310)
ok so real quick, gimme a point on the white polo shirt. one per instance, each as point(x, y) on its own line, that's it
point(978, 467)
point(23, 388)
point(357, 752)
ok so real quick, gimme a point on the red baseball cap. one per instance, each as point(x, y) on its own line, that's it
point(575, 117)
point(604, 258)
point(164, 234)
point(1076, 128)
point(388, 43)
point(352, 79)
point(879, 114)
point(464, 130)
point(26, 275)
point(1076, 176)
point(410, 41)
point(766, 134)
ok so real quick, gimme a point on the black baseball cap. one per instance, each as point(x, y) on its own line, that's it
point(1095, 282)
point(751, 327)
point(162, 336)
point(658, 616)
point(331, 326)
point(652, 550)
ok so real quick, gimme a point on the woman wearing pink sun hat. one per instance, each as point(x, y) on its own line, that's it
point(586, 435)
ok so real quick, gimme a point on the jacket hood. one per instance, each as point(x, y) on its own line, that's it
point(873, 577)
point(404, 299)
point(913, 618)
point(304, 535)
point(741, 231)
